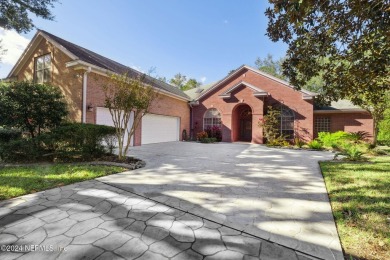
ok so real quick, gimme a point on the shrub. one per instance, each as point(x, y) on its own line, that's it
point(314, 144)
point(359, 136)
point(214, 132)
point(208, 140)
point(298, 142)
point(7, 135)
point(278, 141)
point(333, 140)
point(351, 153)
point(80, 140)
point(68, 142)
point(270, 124)
point(21, 150)
point(201, 135)
point(31, 107)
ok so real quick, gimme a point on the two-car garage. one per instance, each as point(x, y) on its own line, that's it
point(154, 128)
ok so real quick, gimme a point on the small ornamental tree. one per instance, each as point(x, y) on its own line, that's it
point(271, 124)
point(125, 95)
point(31, 107)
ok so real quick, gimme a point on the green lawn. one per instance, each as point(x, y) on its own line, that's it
point(17, 181)
point(360, 198)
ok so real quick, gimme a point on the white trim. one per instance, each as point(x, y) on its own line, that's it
point(257, 92)
point(35, 41)
point(285, 83)
point(339, 111)
point(79, 64)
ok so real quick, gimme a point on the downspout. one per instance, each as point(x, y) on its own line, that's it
point(85, 80)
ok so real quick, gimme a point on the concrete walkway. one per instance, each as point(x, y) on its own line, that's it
point(275, 194)
point(92, 220)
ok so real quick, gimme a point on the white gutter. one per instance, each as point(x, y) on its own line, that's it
point(85, 80)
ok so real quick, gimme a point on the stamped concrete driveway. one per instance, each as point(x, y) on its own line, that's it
point(274, 194)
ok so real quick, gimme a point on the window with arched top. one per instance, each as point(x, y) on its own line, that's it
point(287, 122)
point(211, 118)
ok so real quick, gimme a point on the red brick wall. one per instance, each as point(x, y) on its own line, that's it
point(163, 105)
point(68, 80)
point(350, 122)
point(279, 94)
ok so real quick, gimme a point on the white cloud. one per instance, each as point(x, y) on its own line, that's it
point(14, 43)
point(203, 79)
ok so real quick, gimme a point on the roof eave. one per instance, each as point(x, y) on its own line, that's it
point(80, 64)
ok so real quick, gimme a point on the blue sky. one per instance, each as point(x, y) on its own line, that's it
point(202, 39)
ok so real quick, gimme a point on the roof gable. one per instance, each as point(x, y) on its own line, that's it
point(78, 53)
point(257, 92)
point(305, 93)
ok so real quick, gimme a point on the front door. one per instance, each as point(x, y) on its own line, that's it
point(246, 125)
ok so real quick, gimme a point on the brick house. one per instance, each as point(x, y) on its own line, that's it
point(78, 71)
point(235, 103)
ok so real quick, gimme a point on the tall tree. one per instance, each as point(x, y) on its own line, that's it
point(190, 84)
point(178, 80)
point(271, 66)
point(14, 14)
point(351, 34)
point(124, 96)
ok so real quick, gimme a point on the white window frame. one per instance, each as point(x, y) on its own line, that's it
point(213, 120)
point(45, 70)
point(287, 118)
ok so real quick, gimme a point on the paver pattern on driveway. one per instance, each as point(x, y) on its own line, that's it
point(93, 220)
point(275, 194)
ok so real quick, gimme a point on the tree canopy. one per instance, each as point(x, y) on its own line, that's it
point(180, 81)
point(14, 14)
point(127, 97)
point(352, 35)
point(271, 66)
point(31, 107)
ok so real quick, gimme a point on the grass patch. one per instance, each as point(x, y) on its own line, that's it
point(360, 199)
point(17, 181)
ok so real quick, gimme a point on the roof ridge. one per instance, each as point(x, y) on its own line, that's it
point(99, 60)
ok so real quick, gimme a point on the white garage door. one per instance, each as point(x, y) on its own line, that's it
point(158, 129)
point(103, 117)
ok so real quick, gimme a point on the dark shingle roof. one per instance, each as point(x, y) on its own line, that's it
point(106, 63)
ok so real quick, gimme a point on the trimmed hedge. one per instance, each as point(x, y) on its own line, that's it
point(7, 135)
point(68, 142)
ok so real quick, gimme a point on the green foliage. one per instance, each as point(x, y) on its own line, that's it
point(208, 140)
point(384, 128)
point(68, 142)
point(351, 35)
point(333, 140)
point(351, 152)
point(180, 81)
point(76, 140)
point(298, 142)
point(31, 107)
point(314, 144)
point(271, 66)
point(270, 124)
point(126, 95)
point(15, 14)
point(359, 136)
point(7, 135)
point(18, 181)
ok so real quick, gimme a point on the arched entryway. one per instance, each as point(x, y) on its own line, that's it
point(242, 123)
